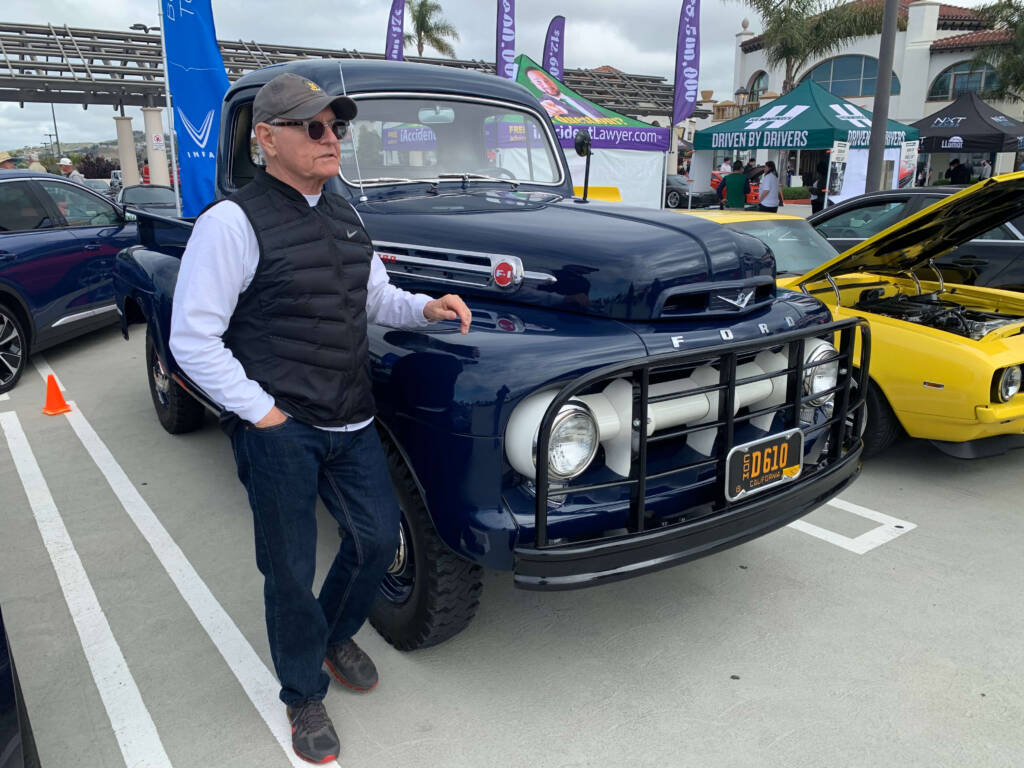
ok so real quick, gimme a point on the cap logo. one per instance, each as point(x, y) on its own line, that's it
point(312, 86)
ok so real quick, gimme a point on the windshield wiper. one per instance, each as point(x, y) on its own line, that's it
point(466, 176)
point(387, 179)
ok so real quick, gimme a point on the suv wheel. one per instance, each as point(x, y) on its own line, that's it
point(13, 349)
point(178, 411)
point(429, 593)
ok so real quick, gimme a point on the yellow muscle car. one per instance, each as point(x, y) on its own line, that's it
point(945, 358)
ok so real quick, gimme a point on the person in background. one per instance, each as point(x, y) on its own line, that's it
point(768, 192)
point(35, 165)
point(734, 188)
point(7, 161)
point(750, 168)
point(70, 171)
point(726, 166)
point(986, 169)
point(818, 188)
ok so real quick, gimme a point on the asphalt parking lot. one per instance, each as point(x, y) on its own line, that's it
point(882, 630)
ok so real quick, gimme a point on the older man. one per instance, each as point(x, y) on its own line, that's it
point(275, 291)
point(7, 161)
point(70, 171)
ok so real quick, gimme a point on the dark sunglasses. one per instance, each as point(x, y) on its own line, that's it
point(315, 128)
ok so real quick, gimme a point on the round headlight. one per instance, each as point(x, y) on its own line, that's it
point(574, 441)
point(821, 372)
point(1009, 383)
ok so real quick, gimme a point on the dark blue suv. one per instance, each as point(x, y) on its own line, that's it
point(58, 240)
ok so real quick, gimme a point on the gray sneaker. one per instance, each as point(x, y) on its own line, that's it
point(313, 736)
point(351, 667)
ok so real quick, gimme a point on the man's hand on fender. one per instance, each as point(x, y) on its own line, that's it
point(449, 307)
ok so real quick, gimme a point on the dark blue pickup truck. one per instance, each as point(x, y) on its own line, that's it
point(679, 404)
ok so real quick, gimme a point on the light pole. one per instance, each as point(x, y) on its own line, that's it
point(883, 85)
point(167, 95)
point(56, 135)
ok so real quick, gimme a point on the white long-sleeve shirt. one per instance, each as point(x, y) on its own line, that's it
point(219, 263)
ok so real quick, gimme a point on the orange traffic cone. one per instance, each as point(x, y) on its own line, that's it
point(55, 404)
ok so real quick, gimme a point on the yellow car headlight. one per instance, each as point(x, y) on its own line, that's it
point(1007, 383)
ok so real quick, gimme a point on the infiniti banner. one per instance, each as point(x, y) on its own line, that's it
point(396, 32)
point(505, 40)
point(198, 82)
point(687, 61)
point(554, 48)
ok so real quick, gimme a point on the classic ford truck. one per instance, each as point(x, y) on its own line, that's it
point(678, 405)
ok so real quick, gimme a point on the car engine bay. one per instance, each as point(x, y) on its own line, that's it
point(930, 310)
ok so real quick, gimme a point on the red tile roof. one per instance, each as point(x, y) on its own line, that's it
point(608, 70)
point(950, 17)
point(970, 40)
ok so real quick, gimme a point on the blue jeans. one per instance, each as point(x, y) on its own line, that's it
point(284, 468)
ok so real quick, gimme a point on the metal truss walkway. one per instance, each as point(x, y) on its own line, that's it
point(72, 65)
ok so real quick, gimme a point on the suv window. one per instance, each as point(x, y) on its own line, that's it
point(79, 207)
point(863, 222)
point(19, 209)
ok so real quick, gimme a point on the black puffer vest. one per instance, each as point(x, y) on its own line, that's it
point(299, 329)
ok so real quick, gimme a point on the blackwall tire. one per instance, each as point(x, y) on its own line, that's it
point(177, 411)
point(673, 199)
point(435, 594)
point(13, 349)
point(881, 427)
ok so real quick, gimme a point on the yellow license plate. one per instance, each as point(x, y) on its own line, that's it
point(762, 464)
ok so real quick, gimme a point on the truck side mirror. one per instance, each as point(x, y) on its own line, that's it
point(582, 142)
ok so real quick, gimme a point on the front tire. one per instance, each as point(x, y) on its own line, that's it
point(13, 349)
point(177, 411)
point(881, 427)
point(673, 199)
point(429, 594)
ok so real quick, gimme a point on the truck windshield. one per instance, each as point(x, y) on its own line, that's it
point(424, 139)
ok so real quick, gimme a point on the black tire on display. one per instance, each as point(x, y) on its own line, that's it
point(881, 427)
point(13, 349)
point(177, 411)
point(429, 594)
point(673, 199)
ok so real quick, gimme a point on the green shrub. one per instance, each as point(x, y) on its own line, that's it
point(795, 193)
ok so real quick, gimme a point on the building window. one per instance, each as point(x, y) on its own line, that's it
point(758, 85)
point(962, 78)
point(849, 76)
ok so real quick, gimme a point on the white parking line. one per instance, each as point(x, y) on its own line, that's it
point(133, 727)
point(45, 370)
point(259, 683)
point(889, 529)
point(4, 396)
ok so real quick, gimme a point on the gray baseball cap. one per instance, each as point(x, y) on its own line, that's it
point(292, 97)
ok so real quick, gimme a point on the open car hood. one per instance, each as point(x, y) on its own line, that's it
point(932, 232)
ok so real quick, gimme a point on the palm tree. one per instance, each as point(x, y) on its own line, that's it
point(430, 28)
point(796, 31)
point(1007, 59)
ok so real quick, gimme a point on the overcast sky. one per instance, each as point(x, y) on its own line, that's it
point(633, 35)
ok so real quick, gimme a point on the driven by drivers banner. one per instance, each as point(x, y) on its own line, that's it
point(687, 61)
point(570, 113)
point(808, 117)
point(198, 82)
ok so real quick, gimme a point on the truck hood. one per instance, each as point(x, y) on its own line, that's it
point(540, 248)
point(932, 232)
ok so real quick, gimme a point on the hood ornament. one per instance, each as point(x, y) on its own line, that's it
point(741, 300)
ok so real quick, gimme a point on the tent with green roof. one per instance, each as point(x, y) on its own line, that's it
point(808, 117)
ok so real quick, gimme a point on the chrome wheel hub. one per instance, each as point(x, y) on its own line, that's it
point(11, 351)
point(398, 564)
